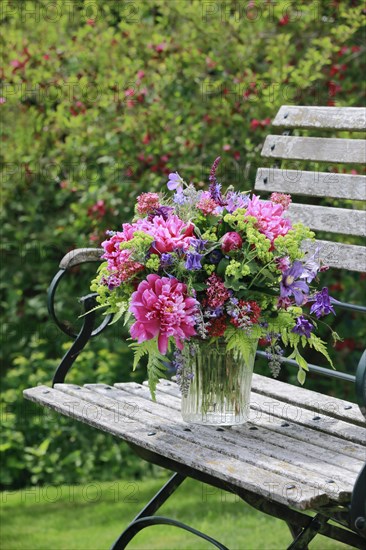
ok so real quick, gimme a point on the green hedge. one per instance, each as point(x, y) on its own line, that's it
point(100, 101)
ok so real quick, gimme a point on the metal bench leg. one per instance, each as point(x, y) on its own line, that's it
point(145, 518)
point(308, 533)
point(137, 525)
point(295, 531)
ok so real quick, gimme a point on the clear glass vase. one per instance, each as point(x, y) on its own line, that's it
point(220, 384)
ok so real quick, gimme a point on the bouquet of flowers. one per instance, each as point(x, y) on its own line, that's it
point(202, 266)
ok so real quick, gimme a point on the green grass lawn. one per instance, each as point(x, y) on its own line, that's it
point(90, 517)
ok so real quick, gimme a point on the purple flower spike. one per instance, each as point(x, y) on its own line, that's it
point(322, 305)
point(290, 286)
point(303, 327)
point(215, 188)
point(175, 181)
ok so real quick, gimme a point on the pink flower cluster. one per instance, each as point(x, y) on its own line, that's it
point(269, 218)
point(217, 293)
point(281, 198)
point(147, 202)
point(162, 308)
point(206, 204)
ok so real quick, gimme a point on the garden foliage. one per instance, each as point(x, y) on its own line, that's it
point(100, 101)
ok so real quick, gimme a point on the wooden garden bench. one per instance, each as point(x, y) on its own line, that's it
point(301, 458)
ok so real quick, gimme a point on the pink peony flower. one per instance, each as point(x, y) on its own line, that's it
point(269, 216)
point(231, 241)
point(162, 308)
point(170, 234)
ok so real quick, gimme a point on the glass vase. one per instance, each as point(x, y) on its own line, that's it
point(219, 385)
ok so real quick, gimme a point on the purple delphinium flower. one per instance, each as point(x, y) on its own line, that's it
point(175, 181)
point(166, 260)
point(322, 305)
point(198, 244)
point(193, 261)
point(303, 327)
point(290, 286)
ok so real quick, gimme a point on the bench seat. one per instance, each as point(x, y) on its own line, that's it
point(300, 449)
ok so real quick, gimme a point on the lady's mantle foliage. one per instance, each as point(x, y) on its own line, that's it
point(205, 265)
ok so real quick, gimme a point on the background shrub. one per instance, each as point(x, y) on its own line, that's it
point(100, 101)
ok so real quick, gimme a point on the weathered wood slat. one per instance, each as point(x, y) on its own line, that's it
point(349, 151)
point(260, 440)
point(268, 457)
point(338, 255)
point(213, 463)
point(314, 184)
point(324, 118)
point(336, 443)
point(326, 218)
point(80, 256)
point(314, 401)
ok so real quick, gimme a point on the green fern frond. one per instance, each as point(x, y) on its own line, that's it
point(155, 371)
point(320, 346)
point(240, 341)
point(145, 348)
point(155, 363)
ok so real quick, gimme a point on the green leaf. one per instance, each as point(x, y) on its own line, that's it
point(301, 376)
point(301, 361)
point(221, 268)
point(199, 286)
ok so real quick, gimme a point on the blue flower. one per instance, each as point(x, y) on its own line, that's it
point(322, 305)
point(179, 197)
point(303, 327)
point(193, 261)
point(290, 286)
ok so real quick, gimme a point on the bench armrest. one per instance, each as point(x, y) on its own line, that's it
point(80, 256)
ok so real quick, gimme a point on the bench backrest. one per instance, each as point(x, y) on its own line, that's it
point(316, 184)
point(319, 184)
